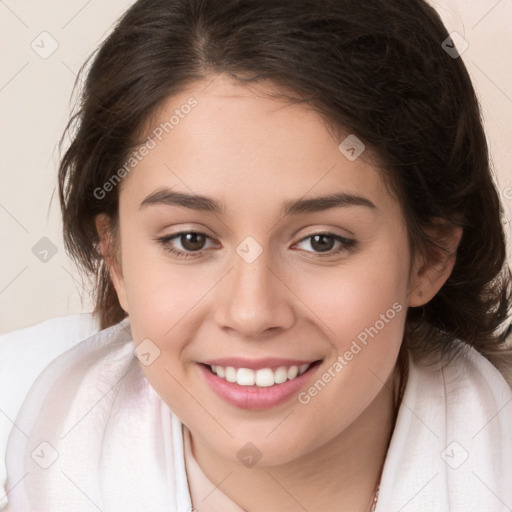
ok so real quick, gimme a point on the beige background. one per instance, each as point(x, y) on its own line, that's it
point(35, 105)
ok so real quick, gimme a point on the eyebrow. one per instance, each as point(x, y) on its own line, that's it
point(291, 207)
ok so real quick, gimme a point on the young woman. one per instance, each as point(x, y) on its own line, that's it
point(300, 267)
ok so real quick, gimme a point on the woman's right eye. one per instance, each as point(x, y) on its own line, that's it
point(185, 244)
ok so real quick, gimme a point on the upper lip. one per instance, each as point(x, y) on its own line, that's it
point(256, 364)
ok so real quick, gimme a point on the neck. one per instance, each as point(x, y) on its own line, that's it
point(341, 475)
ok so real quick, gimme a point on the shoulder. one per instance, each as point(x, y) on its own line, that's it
point(90, 417)
point(24, 354)
point(464, 373)
point(453, 436)
point(467, 391)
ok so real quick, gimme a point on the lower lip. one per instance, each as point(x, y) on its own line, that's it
point(254, 397)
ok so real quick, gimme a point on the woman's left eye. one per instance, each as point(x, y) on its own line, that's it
point(188, 244)
point(327, 243)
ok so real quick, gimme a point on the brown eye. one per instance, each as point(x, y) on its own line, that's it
point(326, 244)
point(186, 244)
point(322, 243)
point(192, 241)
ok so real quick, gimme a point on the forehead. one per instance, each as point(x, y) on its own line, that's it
point(222, 138)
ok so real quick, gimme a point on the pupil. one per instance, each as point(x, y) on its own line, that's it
point(192, 241)
point(322, 243)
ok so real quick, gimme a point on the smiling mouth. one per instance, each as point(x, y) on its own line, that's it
point(263, 377)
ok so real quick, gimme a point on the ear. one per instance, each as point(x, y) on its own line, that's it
point(429, 273)
point(112, 256)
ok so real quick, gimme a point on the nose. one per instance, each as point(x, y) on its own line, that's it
point(253, 301)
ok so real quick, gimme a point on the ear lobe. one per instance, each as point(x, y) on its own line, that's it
point(112, 259)
point(430, 273)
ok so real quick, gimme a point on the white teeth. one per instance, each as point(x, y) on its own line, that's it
point(245, 377)
point(264, 377)
point(281, 375)
point(303, 368)
point(293, 371)
point(230, 374)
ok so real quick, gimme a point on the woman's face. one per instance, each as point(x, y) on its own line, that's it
point(279, 280)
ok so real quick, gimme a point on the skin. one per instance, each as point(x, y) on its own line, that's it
point(252, 154)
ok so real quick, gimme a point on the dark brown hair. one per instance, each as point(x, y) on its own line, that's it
point(375, 68)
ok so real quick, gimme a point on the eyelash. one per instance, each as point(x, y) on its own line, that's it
point(348, 245)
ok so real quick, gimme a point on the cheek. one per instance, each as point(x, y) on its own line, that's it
point(363, 311)
point(160, 293)
point(354, 295)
